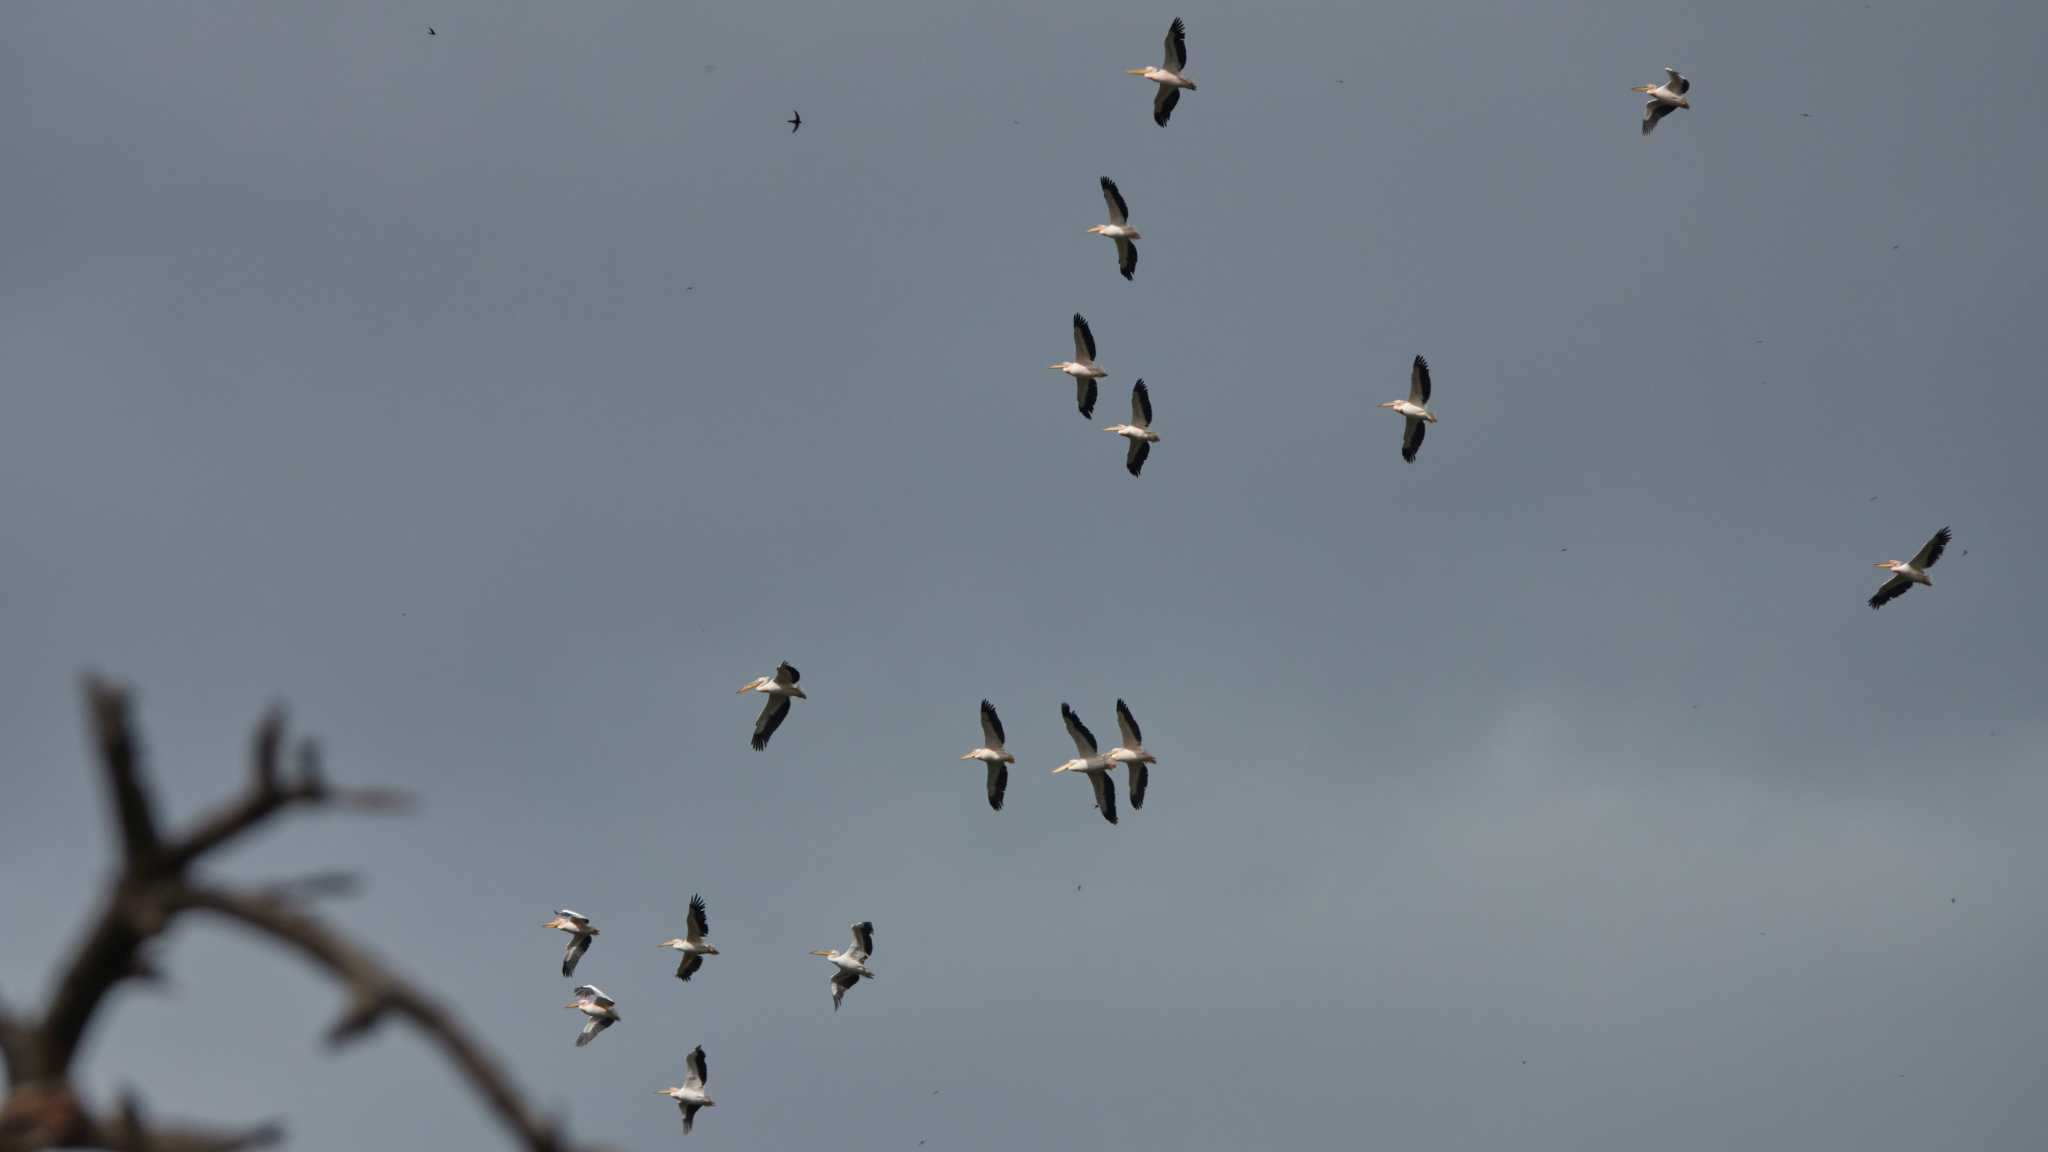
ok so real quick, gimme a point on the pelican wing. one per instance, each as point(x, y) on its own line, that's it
point(1134, 458)
point(1141, 405)
point(864, 940)
point(1411, 438)
point(689, 1115)
point(1127, 727)
point(688, 965)
point(1084, 394)
point(1176, 46)
point(572, 914)
point(1891, 590)
point(698, 925)
point(991, 727)
point(1141, 774)
point(1118, 210)
point(594, 994)
point(1162, 104)
point(1126, 257)
point(841, 981)
point(786, 674)
point(1418, 382)
point(1084, 740)
point(771, 717)
point(1105, 794)
point(1653, 111)
point(591, 1027)
point(998, 783)
point(1930, 552)
point(578, 945)
point(695, 1070)
point(1678, 85)
point(1084, 340)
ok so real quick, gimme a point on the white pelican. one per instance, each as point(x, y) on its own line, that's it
point(1095, 764)
point(1131, 753)
point(692, 943)
point(600, 1012)
point(1118, 230)
point(580, 930)
point(689, 1096)
point(1169, 77)
point(778, 688)
point(1906, 573)
point(1663, 98)
point(1082, 367)
point(991, 753)
point(1139, 431)
point(851, 964)
point(1415, 409)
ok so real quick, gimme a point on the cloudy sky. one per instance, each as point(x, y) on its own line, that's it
point(504, 399)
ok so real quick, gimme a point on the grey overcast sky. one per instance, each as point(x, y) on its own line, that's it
point(504, 399)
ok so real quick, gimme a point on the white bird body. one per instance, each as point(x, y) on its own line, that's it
point(1090, 762)
point(1119, 228)
point(1082, 367)
point(1663, 98)
point(780, 689)
point(850, 964)
point(1407, 409)
point(580, 931)
point(690, 1094)
point(1414, 410)
point(599, 1010)
point(693, 943)
point(1139, 431)
point(1170, 74)
point(992, 753)
point(1130, 752)
point(1906, 573)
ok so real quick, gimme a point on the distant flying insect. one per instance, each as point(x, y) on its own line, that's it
point(1091, 762)
point(1415, 408)
point(1118, 230)
point(600, 1012)
point(1082, 367)
point(690, 1095)
point(1906, 573)
point(778, 688)
point(1664, 98)
point(1131, 753)
point(1138, 432)
point(852, 962)
point(692, 943)
point(1169, 78)
point(992, 754)
point(795, 121)
point(580, 931)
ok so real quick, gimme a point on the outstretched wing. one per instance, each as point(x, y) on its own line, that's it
point(688, 965)
point(1141, 774)
point(998, 783)
point(864, 940)
point(695, 1069)
point(578, 945)
point(1176, 46)
point(591, 1028)
point(1084, 394)
point(1653, 111)
point(594, 994)
point(771, 717)
point(1127, 727)
point(698, 924)
point(1084, 740)
point(1126, 257)
point(1105, 794)
point(1931, 551)
point(1134, 459)
point(1418, 382)
point(1891, 590)
point(1084, 340)
point(1119, 212)
point(690, 1110)
point(1679, 85)
point(1411, 438)
point(841, 981)
point(786, 674)
point(1163, 102)
point(991, 727)
point(1141, 404)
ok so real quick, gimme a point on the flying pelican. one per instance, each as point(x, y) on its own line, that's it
point(851, 963)
point(580, 930)
point(1117, 230)
point(1095, 764)
point(1168, 78)
point(600, 1010)
point(1139, 430)
point(690, 1095)
point(795, 121)
point(1082, 367)
point(692, 943)
point(991, 753)
point(1663, 98)
point(1906, 573)
point(778, 688)
point(1413, 408)
point(1131, 753)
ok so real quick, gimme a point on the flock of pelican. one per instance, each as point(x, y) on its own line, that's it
point(850, 964)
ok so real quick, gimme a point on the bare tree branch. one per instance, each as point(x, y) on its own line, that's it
point(122, 760)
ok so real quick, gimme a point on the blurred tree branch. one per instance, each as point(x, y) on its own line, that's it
point(149, 890)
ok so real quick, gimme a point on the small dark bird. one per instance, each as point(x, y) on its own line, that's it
point(795, 121)
point(431, 32)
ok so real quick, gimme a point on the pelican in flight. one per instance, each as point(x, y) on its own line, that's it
point(1663, 98)
point(692, 943)
point(1169, 78)
point(1139, 431)
point(1095, 764)
point(1131, 753)
point(851, 963)
point(1415, 409)
point(689, 1096)
point(778, 688)
point(991, 753)
point(600, 1012)
point(1118, 230)
point(580, 930)
point(1906, 573)
point(1082, 367)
